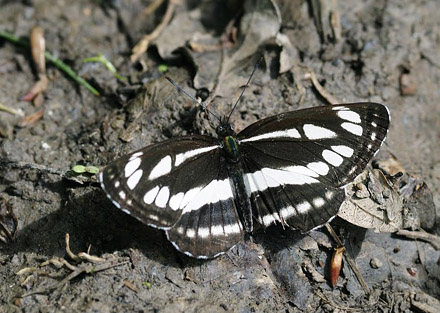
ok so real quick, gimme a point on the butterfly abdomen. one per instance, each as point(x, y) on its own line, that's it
point(230, 146)
point(241, 196)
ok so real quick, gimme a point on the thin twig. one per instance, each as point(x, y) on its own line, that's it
point(421, 235)
point(324, 93)
point(10, 110)
point(153, 6)
point(87, 269)
point(349, 259)
point(143, 44)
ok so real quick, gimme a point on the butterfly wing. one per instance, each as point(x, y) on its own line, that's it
point(297, 162)
point(173, 185)
point(210, 225)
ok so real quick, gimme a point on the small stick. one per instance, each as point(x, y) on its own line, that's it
point(324, 93)
point(430, 238)
point(143, 44)
point(152, 7)
point(349, 259)
point(10, 110)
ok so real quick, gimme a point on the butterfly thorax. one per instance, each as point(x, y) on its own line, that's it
point(228, 141)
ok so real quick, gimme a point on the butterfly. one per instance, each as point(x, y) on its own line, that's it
point(206, 192)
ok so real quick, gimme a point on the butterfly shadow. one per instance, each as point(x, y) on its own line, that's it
point(91, 220)
point(276, 238)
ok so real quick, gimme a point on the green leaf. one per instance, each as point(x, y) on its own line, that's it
point(92, 169)
point(163, 68)
point(79, 169)
point(147, 284)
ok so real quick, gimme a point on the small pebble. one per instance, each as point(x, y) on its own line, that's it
point(375, 263)
point(407, 86)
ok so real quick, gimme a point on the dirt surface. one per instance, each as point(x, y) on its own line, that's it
point(275, 271)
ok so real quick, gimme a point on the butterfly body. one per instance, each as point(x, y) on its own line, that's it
point(291, 168)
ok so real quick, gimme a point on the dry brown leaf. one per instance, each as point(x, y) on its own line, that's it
point(381, 208)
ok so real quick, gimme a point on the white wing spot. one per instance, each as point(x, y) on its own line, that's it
point(180, 230)
point(129, 202)
point(217, 230)
point(117, 184)
point(373, 136)
point(269, 177)
point(353, 169)
point(319, 167)
point(153, 217)
point(135, 155)
point(126, 211)
point(318, 202)
point(287, 212)
point(122, 195)
point(343, 150)
point(289, 133)
point(182, 157)
point(374, 124)
point(339, 108)
point(332, 158)
point(269, 219)
point(132, 166)
point(232, 229)
point(162, 197)
point(317, 132)
point(353, 128)
point(329, 195)
point(349, 116)
point(203, 232)
point(190, 233)
point(303, 207)
point(370, 146)
point(151, 195)
point(297, 169)
point(134, 179)
point(189, 195)
point(163, 167)
point(176, 200)
point(216, 190)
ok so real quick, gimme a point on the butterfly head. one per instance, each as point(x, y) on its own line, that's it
point(225, 129)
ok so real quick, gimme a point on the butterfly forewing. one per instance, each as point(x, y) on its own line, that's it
point(296, 161)
point(151, 183)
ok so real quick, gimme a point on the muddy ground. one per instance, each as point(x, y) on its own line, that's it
point(278, 270)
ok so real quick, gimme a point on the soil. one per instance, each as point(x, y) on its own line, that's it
point(278, 270)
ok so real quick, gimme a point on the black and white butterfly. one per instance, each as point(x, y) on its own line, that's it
point(291, 168)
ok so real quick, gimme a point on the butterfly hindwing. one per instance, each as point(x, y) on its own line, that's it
point(212, 226)
point(295, 162)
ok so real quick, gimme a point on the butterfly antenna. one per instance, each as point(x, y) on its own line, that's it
point(201, 103)
point(244, 88)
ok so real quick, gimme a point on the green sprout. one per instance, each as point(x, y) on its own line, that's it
point(80, 169)
point(102, 59)
point(163, 68)
point(147, 284)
